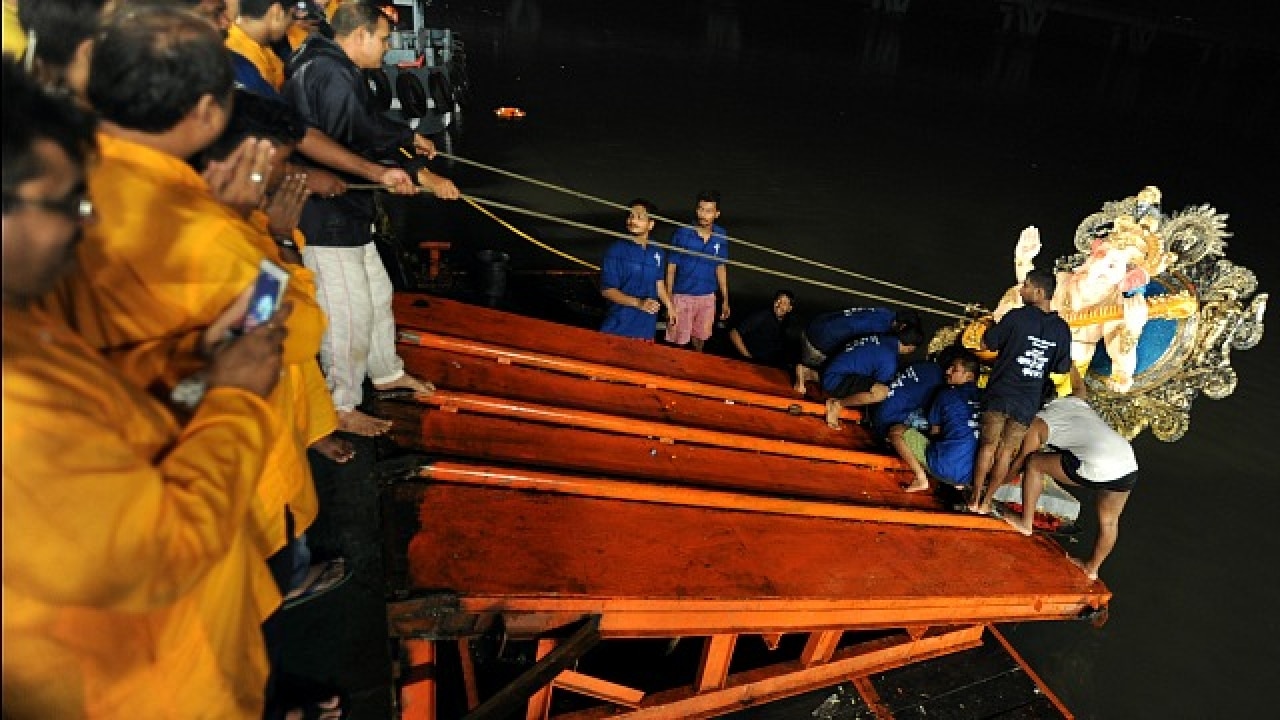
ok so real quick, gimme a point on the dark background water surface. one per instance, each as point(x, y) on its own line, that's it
point(914, 148)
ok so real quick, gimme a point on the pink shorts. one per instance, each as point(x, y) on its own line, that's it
point(695, 316)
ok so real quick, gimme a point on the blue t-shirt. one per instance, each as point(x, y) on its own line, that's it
point(829, 331)
point(696, 275)
point(909, 393)
point(635, 270)
point(1030, 344)
point(249, 77)
point(955, 411)
point(875, 356)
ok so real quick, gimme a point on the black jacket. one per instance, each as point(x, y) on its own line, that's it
point(333, 95)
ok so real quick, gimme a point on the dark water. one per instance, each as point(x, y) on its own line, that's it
point(913, 149)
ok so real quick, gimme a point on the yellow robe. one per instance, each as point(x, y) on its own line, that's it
point(163, 261)
point(263, 58)
point(320, 418)
point(14, 38)
point(128, 577)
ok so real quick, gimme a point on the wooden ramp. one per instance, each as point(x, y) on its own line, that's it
point(574, 488)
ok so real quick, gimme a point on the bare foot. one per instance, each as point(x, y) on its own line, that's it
point(358, 423)
point(335, 448)
point(1092, 575)
point(920, 484)
point(1016, 522)
point(833, 414)
point(407, 382)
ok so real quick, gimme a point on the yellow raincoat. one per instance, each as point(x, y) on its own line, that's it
point(128, 577)
point(163, 262)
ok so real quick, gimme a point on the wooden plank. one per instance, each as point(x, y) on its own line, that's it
point(727, 571)
point(600, 689)
point(449, 317)
point(709, 386)
point(867, 691)
point(583, 486)
point(418, 691)
point(469, 374)
point(485, 405)
point(820, 647)
point(506, 701)
point(468, 673)
point(527, 443)
point(713, 671)
point(539, 706)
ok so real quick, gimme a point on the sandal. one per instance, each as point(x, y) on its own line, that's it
point(321, 579)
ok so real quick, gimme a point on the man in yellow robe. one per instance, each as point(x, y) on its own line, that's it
point(127, 577)
point(168, 255)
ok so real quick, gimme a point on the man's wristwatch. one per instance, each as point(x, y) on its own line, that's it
point(189, 391)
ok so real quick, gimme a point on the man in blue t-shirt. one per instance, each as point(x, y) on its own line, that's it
point(861, 373)
point(831, 331)
point(631, 279)
point(694, 278)
point(909, 396)
point(947, 452)
point(1030, 342)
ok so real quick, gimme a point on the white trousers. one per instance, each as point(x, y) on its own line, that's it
point(353, 288)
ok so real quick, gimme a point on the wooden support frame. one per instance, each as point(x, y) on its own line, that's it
point(536, 678)
point(616, 374)
point(418, 682)
point(713, 671)
point(773, 682)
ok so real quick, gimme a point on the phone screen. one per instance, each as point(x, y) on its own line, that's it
point(268, 291)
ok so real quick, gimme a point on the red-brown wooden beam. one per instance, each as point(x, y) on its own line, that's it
point(603, 422)
point(604, 488)
point(460, 320)
point(664, 570)
point(504, 440)
point(471, 374)
point(709, 387)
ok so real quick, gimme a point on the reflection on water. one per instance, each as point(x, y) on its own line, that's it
point(724, 29)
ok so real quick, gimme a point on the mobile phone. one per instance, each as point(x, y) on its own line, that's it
point(268, 292)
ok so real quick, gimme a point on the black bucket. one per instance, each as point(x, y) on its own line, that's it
point(494, 266)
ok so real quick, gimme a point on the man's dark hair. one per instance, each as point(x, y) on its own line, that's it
point(351, 16)
point(967, 360)
point(256, 9)
point(1043, 279)
point(260, 117)
point(30, 114)
point(60, 26)
point(910, 335)
point(903, 318)
point(711, 196)
point(152, 65)
point(648, 206)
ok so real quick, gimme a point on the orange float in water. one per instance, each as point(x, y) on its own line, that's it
point(509, 113)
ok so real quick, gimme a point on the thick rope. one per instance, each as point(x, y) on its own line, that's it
point(478, 201)
point(740, 241)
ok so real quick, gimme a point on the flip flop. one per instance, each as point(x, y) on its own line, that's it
point(321, 579)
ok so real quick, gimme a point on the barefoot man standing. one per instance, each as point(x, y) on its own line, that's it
point(1083, 451)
